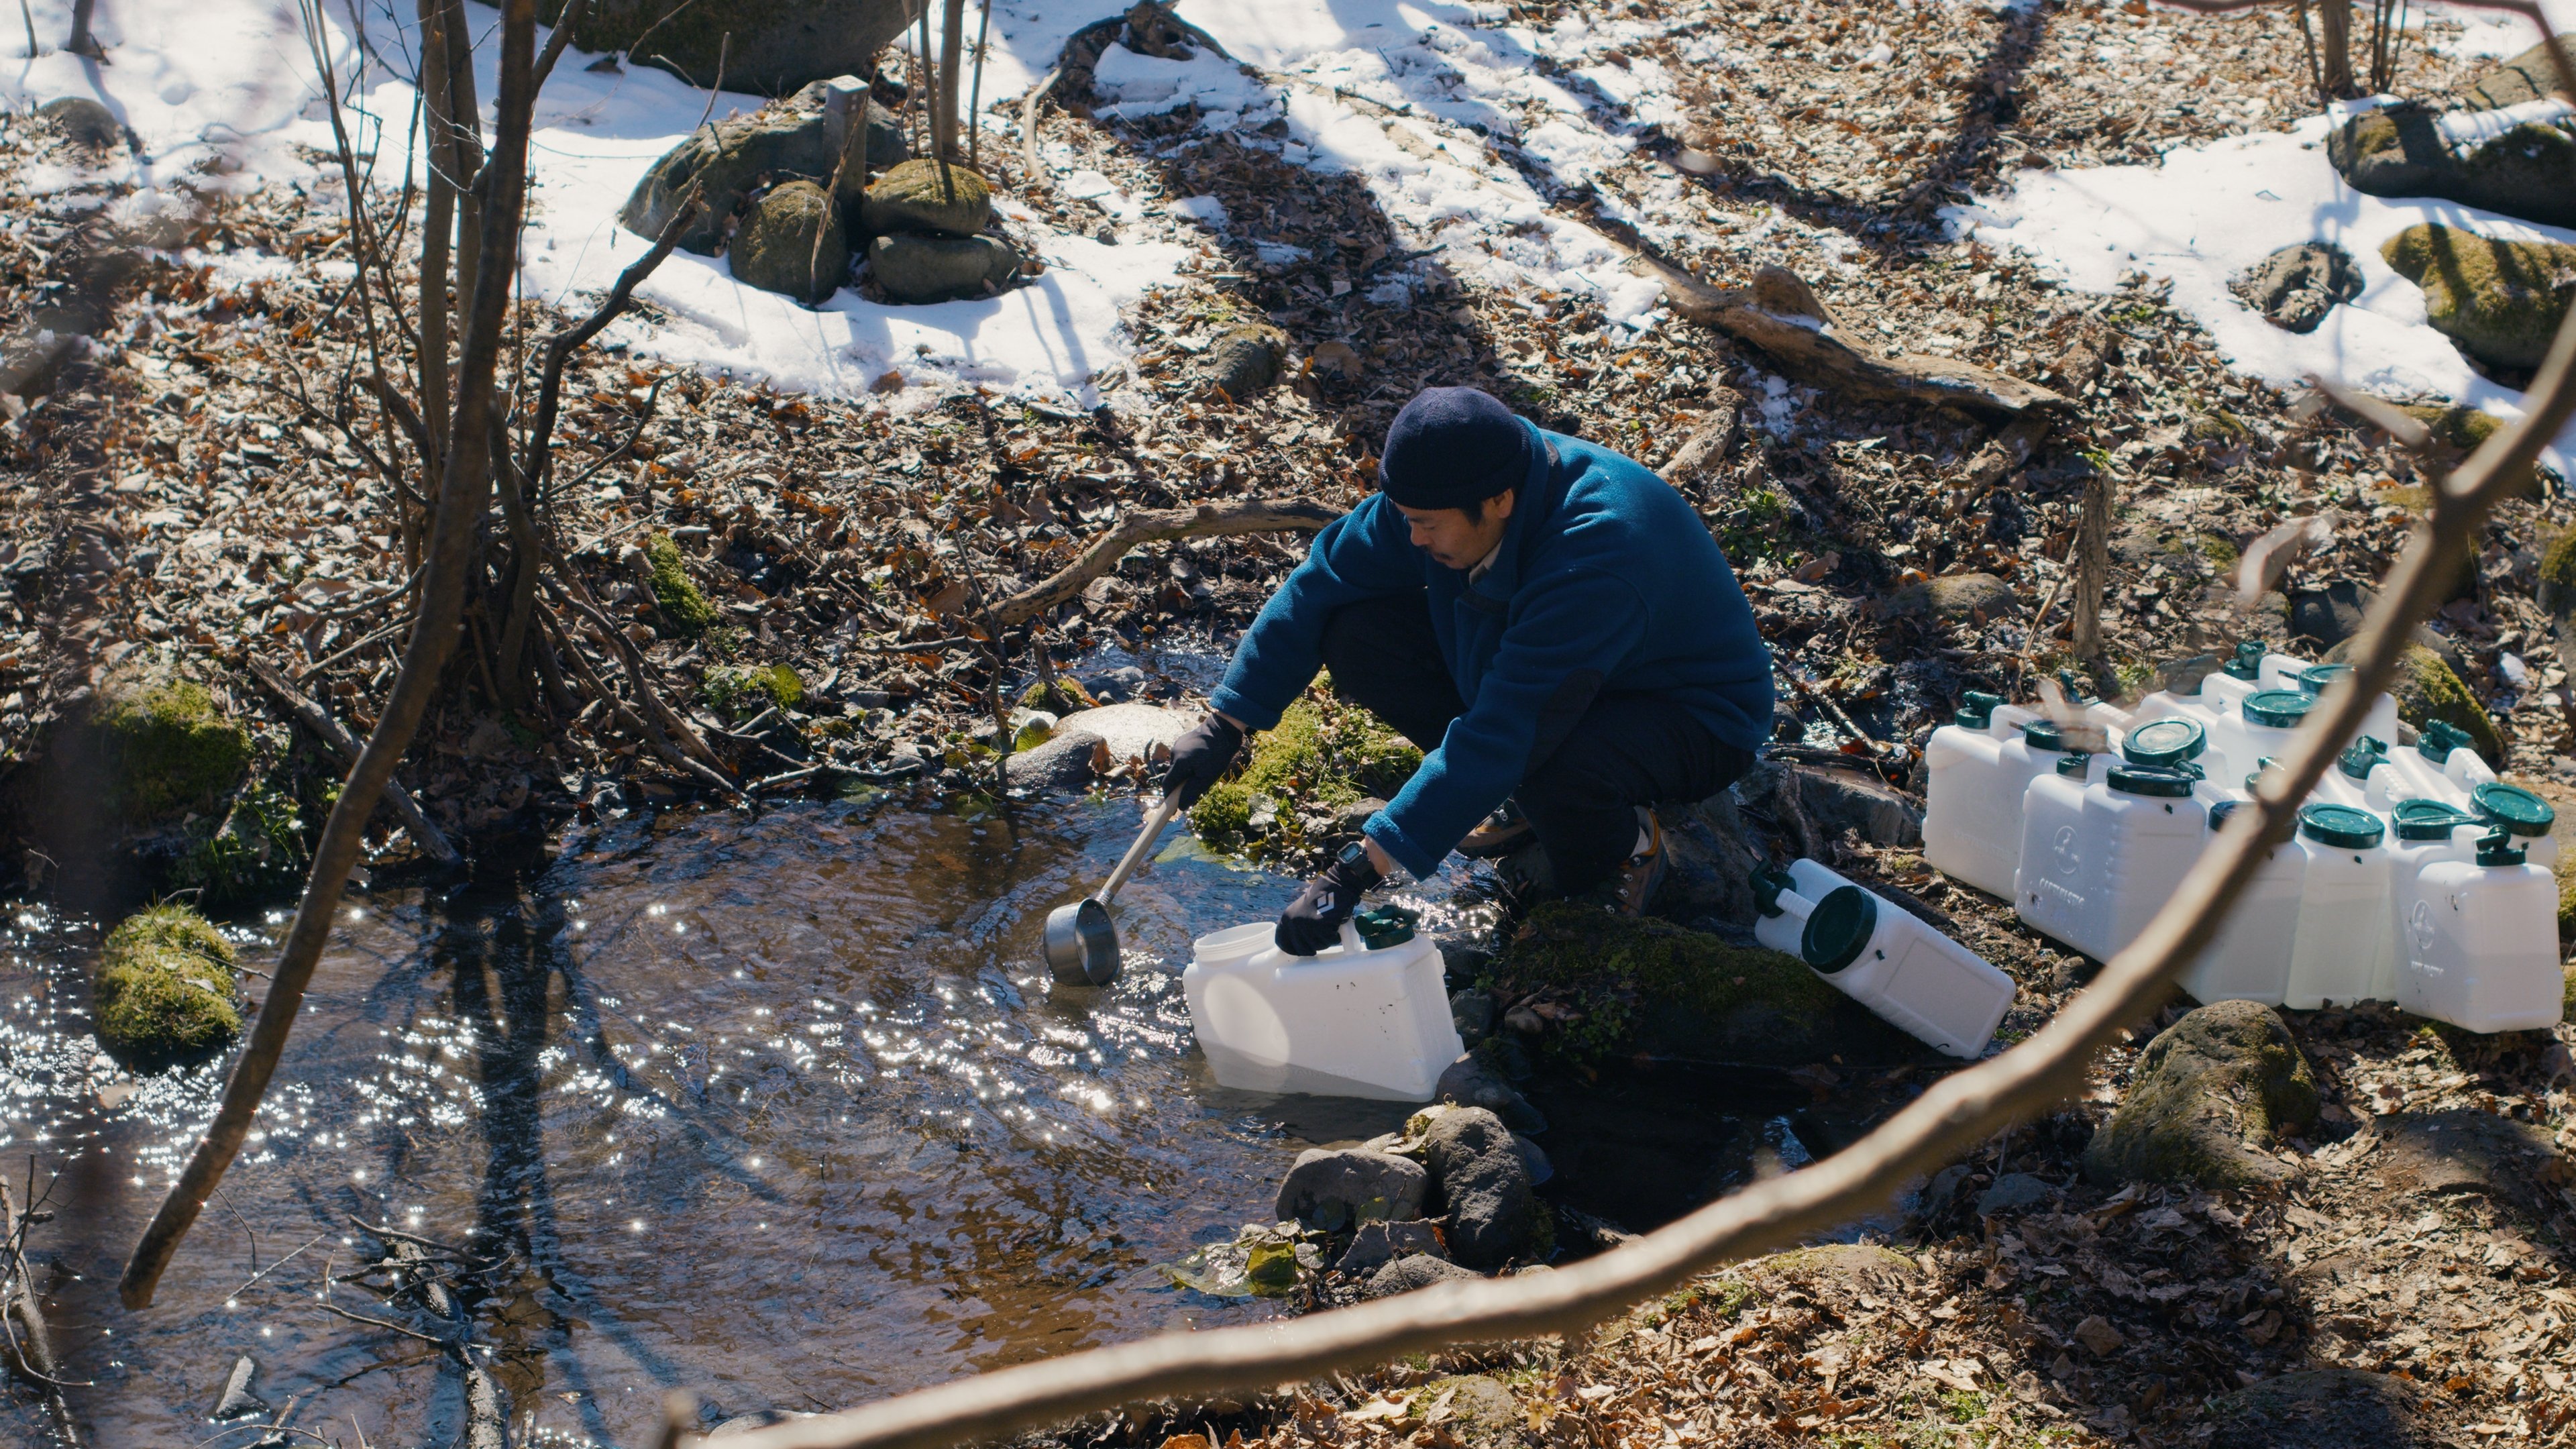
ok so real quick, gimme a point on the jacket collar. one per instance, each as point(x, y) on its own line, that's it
point(1539, 496)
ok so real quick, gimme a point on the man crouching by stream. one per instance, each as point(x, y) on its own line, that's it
point(1546, 619)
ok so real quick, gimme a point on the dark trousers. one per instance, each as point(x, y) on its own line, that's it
point(1594, 760)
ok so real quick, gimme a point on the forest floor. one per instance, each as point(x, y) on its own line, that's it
point(182, 488)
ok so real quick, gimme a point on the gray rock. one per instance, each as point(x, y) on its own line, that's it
point(83, 122)
point(1244, 360)
point(2324, 1409)
point(1535, 1158)
point(1470, 1082)
point(1111, 686)
point(2329, 615)
point(2206, 1100)
point(2014, 1191)
point(917, 269)
point(925, 198)
point(238, 1401)
point(1378, 1243)
point(1062, 764)
point(2296, 286)
point(1937, 1193)
point(1132, 729)
point(1472, 1012)
point(775, 46)
point(791, 243)
point(1863, 804)
point(1418, 1270)
point(801, 136)
point(1485, 1187)
point(1711, 850)
point(1334, 1190)
point(2529, 171)
point(2529, 76)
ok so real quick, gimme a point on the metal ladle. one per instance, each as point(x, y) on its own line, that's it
point(1081, 942)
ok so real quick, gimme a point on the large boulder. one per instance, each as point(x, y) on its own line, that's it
point(791, 243)
point(169, 745)
point(166, 982)
point(2501, 301)
point(1339, 1190)
point(800, 136)
point(83, 122)
point(915, 269)
point(1652, 988)
point(926, 198)
point(1485, 1189)
point(2208, 1096)
point(2520, 164)
point(2296, 286)
point(768, 46)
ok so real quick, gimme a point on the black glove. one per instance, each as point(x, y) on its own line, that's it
point(1201, 758)
point(1314, 920)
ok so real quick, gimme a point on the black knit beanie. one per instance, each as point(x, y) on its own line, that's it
point(1453, 447)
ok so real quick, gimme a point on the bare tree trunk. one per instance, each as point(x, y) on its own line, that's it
point(438, 219)
point(464, 493)
point(82, 42)
point(952, 69)
point(465, 146)
point(2334, 20)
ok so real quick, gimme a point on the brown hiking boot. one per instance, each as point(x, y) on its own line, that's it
point(1644, 871)
point(1502, 832)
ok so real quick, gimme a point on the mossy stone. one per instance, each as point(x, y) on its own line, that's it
point(766, 46)
point(2208, 1096)
point(165, 988)
point(2427, 688)
point(791, 243)
point(919, 269)
point(1244, 360)
point(680, 601)
point(1324, 753)
point(2530, 76)
point(172, 746)
point(748, 689)
point(2528, 171)
point(1663, 990)
point(2501, 301)
point(926, 197)
point(1481, 1411)
point(2462, 429)
point(2557, 588)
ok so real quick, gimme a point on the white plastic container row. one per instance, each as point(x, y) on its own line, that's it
point(1347, 1021)
point(1921, 981)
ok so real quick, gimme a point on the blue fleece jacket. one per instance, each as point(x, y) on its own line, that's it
point(1607, 582)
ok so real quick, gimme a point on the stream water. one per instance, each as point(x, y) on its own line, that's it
point(780, 1108)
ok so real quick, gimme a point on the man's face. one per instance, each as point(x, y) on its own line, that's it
point(1456, 538)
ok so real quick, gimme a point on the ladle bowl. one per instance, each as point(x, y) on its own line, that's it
point(1081, 941)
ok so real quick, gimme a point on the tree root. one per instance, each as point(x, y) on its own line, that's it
point(1251, 515)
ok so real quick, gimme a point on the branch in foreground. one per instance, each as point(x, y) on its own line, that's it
point(1251, 515)
point(317, 719)
point(1952, 1115)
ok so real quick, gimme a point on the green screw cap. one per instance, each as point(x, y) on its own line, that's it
point(2341, 826)
point(2428, 820)
point(2280, 708)
point(1838, 928)
point(2162, 781)
point(2496, 848)
point(2041, 734)
point(1385, 925)
point(2074, 762)
point(2164, 742)
point(1769, 883)
point(2513, 807)
point(2315, 678)
point(2438, 738)
point(2222, 812)
point(2248, 663)
point(1976, 710)
point(2366, 754)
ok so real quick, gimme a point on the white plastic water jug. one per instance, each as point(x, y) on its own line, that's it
point(2099, 860)
point(2345, 948)
point(2380, 722)
point(2477, 937)
point(1919, 980)
point(1976, 769)
point(2519, 813)
point(2421, 769)
point(2249, 958)
point(1348, 1021)
point(2237, 678)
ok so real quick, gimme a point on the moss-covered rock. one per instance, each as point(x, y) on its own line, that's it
point(668, 575)
point(926, 198)
point(255, 849)
point(1476, 1410)
point(801, 136)
point(2427, 688)
point(165, 988)
point(1652, 987)
point(2501, 301)
point(169, 744)
point(2209, 1095)
point(2529, 171)
point(1063, 696)
point(747, 689)
point(791, 243)
point(2557, 587)
point(919, 269)
point(1325, 752)
point(1244, 360)
point(2458, 428)
point(767, 46)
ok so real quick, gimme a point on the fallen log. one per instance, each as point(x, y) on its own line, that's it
point(317, 719)
point(1250, 515)
point(1784, 317)
point(31, 1346)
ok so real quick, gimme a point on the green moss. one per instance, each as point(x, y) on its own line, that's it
point(253, 850)
point(2557, 588)
point(2463, 429)
point(742, 689)
point(2205, 1102)
point(1325, 751)
point(173, 746)
point(1064, 696)
point(2567, 1003)
point(165, 988)
point(2428, 689)
point(679, 598)
point(2565, 870)
point(2501, 301)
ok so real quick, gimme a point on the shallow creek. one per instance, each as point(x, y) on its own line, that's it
point(779, 1108)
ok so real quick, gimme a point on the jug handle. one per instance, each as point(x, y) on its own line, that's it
point(1352, 945)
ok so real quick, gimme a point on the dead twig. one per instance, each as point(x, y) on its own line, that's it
point(314, 717)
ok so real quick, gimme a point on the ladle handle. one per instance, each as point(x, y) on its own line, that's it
point(1154, 824)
